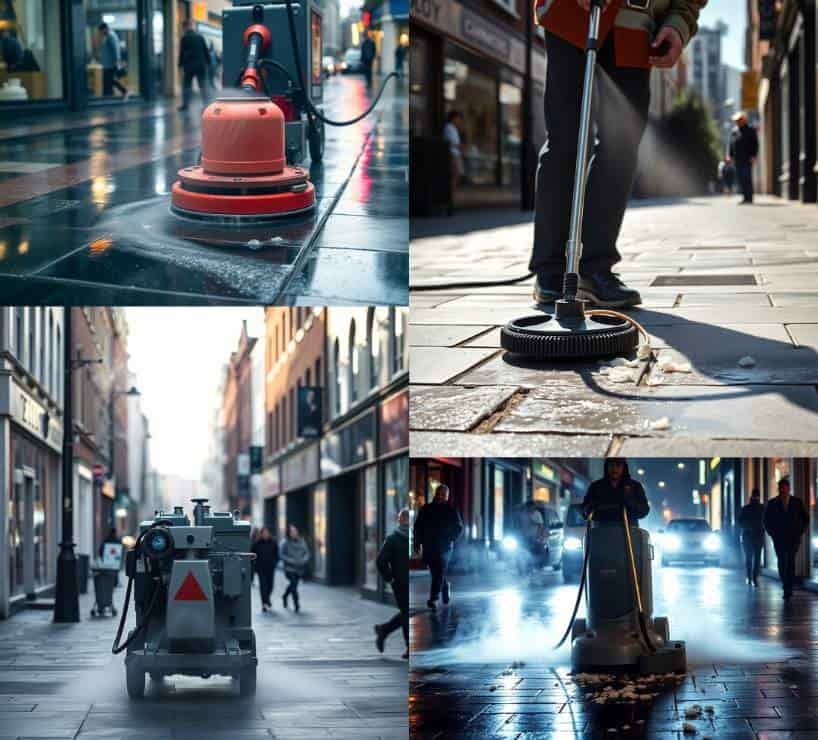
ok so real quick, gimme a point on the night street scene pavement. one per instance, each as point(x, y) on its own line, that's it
point(485, 665)
point(729, 301)
point(85, 218)
point(204, 470)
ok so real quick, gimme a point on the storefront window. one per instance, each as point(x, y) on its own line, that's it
point(31, 63)
point(511, 122)
point(499, 500)
point(396, 482)
point(282, 517)
point(112, 63)
point(370, 527)
point(813, 517)
point(15, 537)
point(474, 95)
point(319, 528)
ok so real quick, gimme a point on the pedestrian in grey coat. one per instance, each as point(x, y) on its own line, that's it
point(295, 555)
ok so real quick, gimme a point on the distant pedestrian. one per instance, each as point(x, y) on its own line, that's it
point(786, 520)
point(368, 54)
point(295, 555)
point(213, 67)
point(266, 552)
point(393, 565)
point(437, 527)
point(751, 523)
point(743, 152)
point(194, 61)
point(453, 136)
point(727, 175)
point(400, 56)
point(11, 48)
point(110, 57)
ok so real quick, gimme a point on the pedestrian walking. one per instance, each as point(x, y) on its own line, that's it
point(194, 61)
point(265, 549)
point(454, 138)
point(368, 54)
point(393, 565)
point(400, 56)
point(213, 67)
point(295, 555)
point(625, 56)
point(751, 523)
point(786, 520)
point(110, 57)
point(727, 175)
point(607, 496)
point(437, 527)
point(743, 152)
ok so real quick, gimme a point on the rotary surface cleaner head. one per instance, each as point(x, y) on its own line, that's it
point(569, 333)
point(243, 175)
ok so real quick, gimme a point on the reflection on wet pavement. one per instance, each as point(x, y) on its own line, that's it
point(98, 226)
point(484, 666)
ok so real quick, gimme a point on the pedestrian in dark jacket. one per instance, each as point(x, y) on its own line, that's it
point(368, 53)
point(194, 61)
point(437, 528)
point(606, 497)
point(110, 57)
point(393, 565)
point(751, 523)
point(265, 549)
point(786, 520)
point(295, 554)
point(743, 152)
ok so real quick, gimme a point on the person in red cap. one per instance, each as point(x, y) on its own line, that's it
point(635, 35)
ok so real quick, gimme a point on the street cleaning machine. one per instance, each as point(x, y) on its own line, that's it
point(257, 133)
point(620, 632)
point(572, 332)
point(191, 590)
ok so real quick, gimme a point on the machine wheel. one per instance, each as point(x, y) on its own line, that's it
point(315, 138)
point(135, 681)
point(662, 627)
point(578, 628)
point(247, 681)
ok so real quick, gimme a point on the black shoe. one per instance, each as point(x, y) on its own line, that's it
point(379, 637)
point(745, 203)
point(749, 582)
point(182, 108)
point(405, 656)
point(755, 582)
point(606, 290)
point(787, 595)
point(297, 607)
point(547, 287)
point(431, 604)
point(447, 592)
point(284, 600)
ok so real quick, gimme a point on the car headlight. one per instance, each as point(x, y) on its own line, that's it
point(510, 543)
point(712, 543)
point(672, 542)
point(815, 543)
point(572, 544)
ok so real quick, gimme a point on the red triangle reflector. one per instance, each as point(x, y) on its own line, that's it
point(190, 590)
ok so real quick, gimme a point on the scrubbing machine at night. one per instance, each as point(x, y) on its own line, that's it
point(620, 632)
point(258, 132)
point(191, 591)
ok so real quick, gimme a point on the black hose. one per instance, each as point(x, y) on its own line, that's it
point(475, 284)
point(303, 83)
point(581, 583)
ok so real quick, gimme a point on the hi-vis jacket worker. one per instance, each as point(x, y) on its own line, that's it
point(634, 36)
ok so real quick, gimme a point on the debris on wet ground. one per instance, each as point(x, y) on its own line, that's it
point(747, 361)
point(660, 425)
point(667, 364)
point(689, 729)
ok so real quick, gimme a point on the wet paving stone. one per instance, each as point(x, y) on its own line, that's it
point(454, 407)
point(439, 364)
point(460, 444)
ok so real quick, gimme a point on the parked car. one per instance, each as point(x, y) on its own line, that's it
point(690, 540)
point(352, 62)
point(528, 555)
point(572, 547)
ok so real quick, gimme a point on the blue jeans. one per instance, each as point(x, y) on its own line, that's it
point(744, 171)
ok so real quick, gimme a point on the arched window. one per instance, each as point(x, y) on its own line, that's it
point(336, 375)
point(353, 364)
point(372, 340)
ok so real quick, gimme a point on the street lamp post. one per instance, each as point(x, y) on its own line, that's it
point(66, 595)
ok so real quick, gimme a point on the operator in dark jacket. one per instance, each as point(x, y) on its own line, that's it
point(751, 523)
point(437, 527)
point(266, 551)
point(194, 61)
point(743, 151)
point(786, 520)
point(606, 497)
point(393, 565)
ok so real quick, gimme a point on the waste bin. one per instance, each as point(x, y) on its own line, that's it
point(83, 572)
point(104, 583)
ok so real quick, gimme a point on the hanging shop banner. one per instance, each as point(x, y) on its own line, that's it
point(256, 459)
point(310, 413)
point(29, 413)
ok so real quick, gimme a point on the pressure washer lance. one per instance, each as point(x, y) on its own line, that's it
point(643, 626)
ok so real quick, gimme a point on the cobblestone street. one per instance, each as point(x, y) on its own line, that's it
point(319, 675)
point(719, 283)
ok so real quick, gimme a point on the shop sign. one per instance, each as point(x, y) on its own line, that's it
point(394, 428)
point(436, 13)
point(270, 482)
point(541, 470)
point(198, 11)
point(310, 412)
point(484, 36)
point(300, 469)
point(348, 446)
point(31, 414)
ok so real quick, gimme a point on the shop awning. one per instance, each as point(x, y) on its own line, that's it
point(399, 9)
